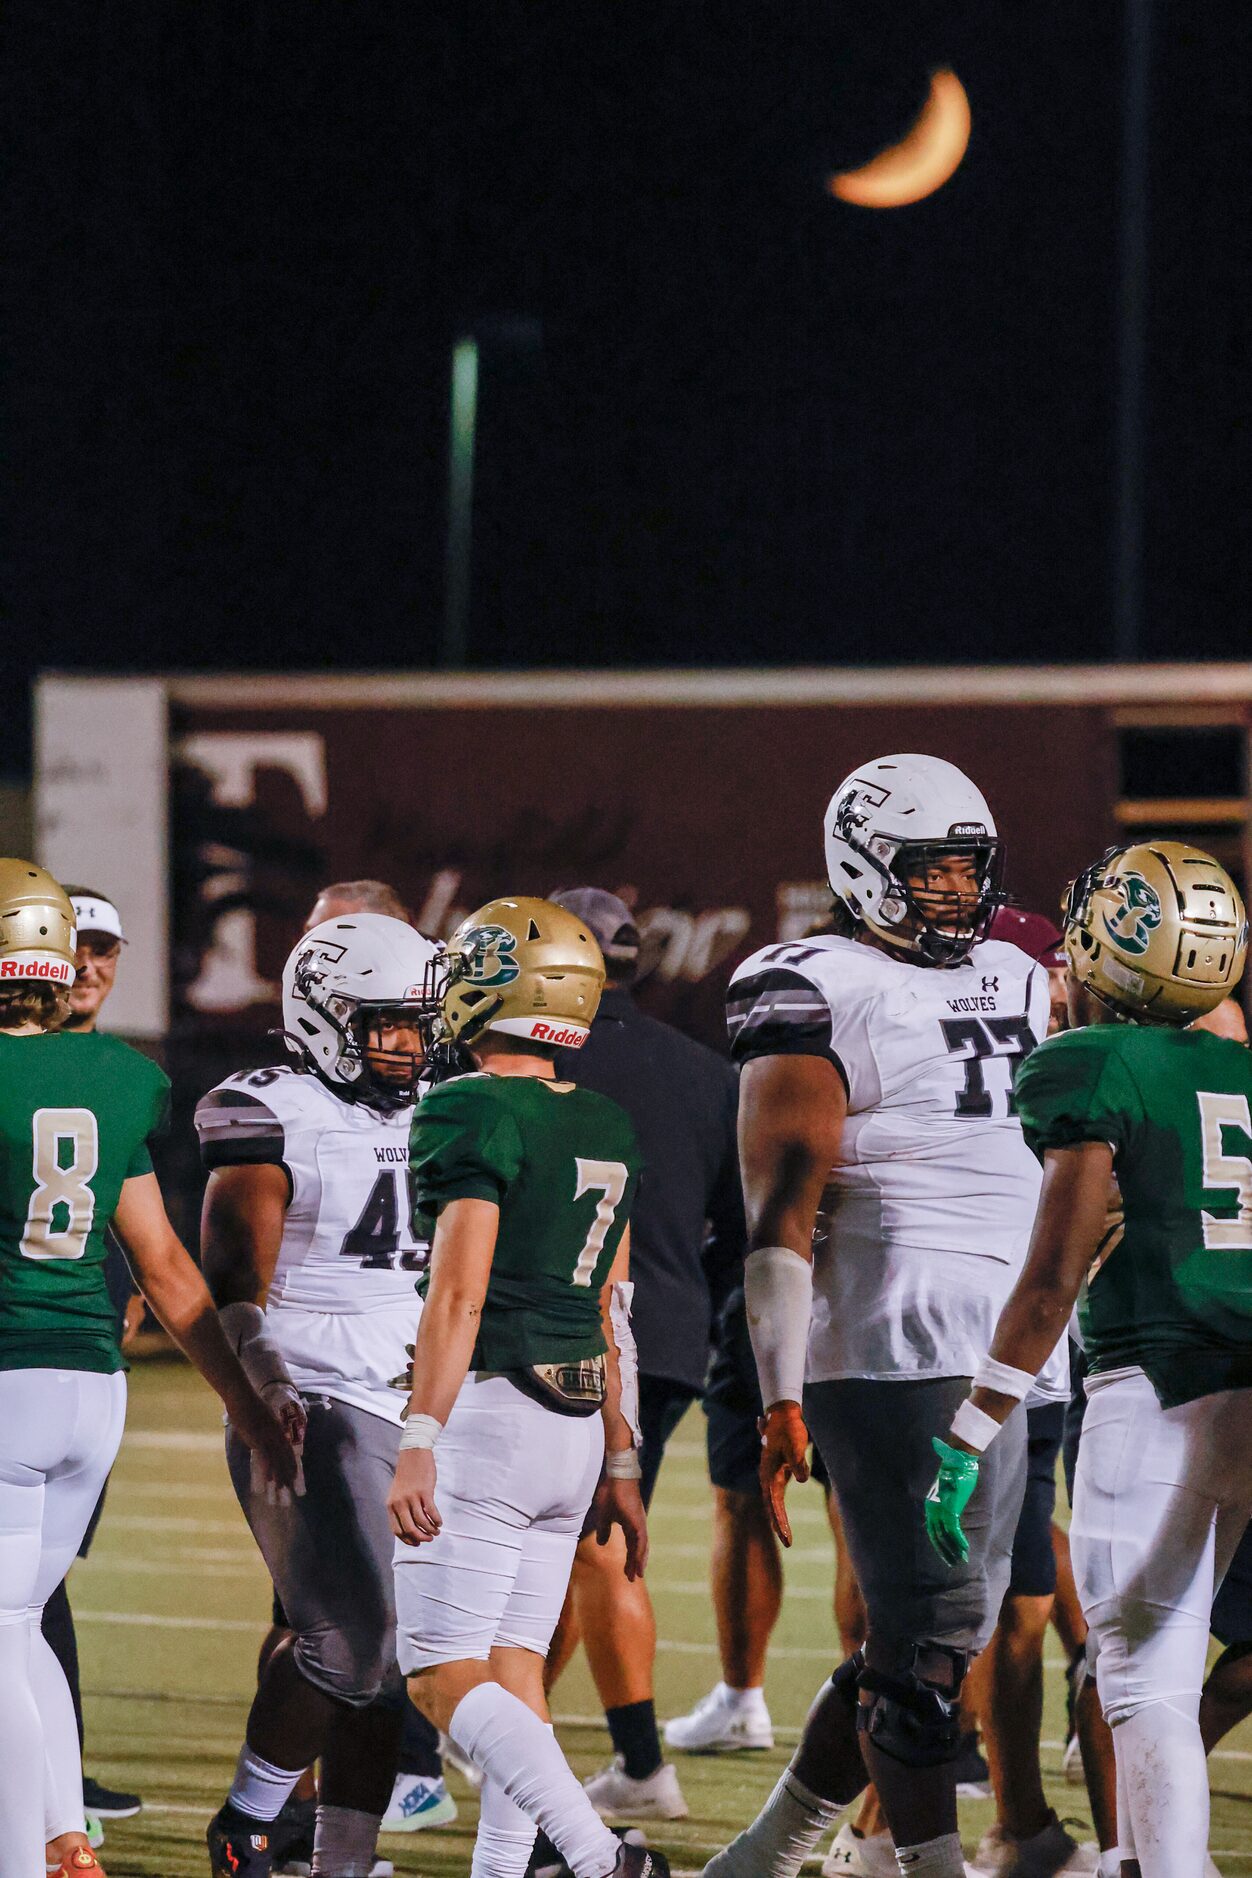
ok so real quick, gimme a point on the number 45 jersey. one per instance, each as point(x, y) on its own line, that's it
point(562, 1165)
point(343, 1305)
point(926, 1219)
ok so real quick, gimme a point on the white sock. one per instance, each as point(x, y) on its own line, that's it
point(786, 1829)
point(506, 1835)
point(740, 1698)
point(1166, 1788)
point(520, 1754)
point(21, 1758)
point(1110, 1865)
point(937, 1858)
point(63, 1768)
point(344, 1842)
point(260, 1790)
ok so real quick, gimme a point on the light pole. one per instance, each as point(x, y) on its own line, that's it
point(463, 421)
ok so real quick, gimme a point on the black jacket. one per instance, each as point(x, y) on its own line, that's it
point(686, 1229)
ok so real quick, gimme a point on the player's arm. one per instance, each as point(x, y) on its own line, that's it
point(460, 1266)
point(791, 1114)
point(618, 1501)
point(1070, 1219)
point(181, 1300)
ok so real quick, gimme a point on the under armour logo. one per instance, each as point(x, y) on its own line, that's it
point(991, 984)
point(840, 1855)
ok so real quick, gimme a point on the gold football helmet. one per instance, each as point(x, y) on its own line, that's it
point(525, 967)
point(1156, 931)
point(37, 938)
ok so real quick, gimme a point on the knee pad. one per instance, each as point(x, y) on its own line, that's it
point(339, 1666)
point(913, 1716)
point(846, 1680)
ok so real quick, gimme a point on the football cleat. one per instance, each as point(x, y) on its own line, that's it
point(616, 1796)
point(80, 1863)
point(860, 1854)
point(417, 1801)
point(636, 1861)
point(721, 1723)
point(239, 1847)
point(1052, 1853)
point(546, 1861)
point(109, 1802)
point(94, 1829)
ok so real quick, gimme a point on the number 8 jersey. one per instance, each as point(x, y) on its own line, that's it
point(925, 1222)
point(343, 1304)
point(77, 1113)
point(562, 1165)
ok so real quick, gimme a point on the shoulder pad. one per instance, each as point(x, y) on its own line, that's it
point(247, 1118)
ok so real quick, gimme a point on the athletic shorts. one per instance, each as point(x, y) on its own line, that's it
point(732, 1406)
point(329, 1552)
point(513, 1484)
point(662, 1405)
point(875, 1438)
point(1232, 1607)
point(1032, 1573)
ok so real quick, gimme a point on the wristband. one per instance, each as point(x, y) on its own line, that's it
point(778, 1293)
point(420, 1431)
point(622, 1464)
point(246, 1332)
point(1003, 1379)
point(974, 1427)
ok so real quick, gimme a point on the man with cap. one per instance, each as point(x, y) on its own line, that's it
point(687, 1223)
point(100, 941)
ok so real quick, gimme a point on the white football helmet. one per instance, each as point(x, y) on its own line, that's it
point(888, 818)
point(348, 977)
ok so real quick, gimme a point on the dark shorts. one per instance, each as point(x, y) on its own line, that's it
point(732, 1406)
point(876, 1440)
point(1032, 1573)
point(662, 1405)
point(1232, 1607)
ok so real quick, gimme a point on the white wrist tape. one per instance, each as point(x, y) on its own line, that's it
point(246, 1333)
point(622, 1464)
point(620, 1299)
point(1003, 1378)
point(420, 1431)
point(974, 1427)
point(778, 1291)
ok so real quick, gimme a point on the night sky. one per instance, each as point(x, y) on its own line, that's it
point(724, 419)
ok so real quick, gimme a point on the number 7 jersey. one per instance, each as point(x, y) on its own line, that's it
point(562, 1165)
point(926, 1218)
point(77, 1113)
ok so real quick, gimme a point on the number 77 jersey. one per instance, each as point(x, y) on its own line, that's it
point(562, 1164)
point(925, 1222)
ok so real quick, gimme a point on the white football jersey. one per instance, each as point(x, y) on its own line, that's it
point(925, 1222)
point(343, 1305)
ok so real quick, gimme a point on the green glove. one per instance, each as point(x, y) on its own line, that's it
point(948, 1499)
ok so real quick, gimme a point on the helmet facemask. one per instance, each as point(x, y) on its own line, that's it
point(940, 926)
point(363, 1071)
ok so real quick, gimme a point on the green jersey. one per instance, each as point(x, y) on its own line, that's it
point(1173, 1291)
point(562, 1165)
point(77, 1112)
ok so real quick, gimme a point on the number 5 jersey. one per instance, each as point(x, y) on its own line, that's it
point(925, 1221)
point(343, 1303)
point(77, 1112)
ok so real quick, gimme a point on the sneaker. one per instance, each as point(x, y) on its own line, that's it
point(722, 1723)
point(238, 1847)
point(864, 1856)
point(973, 1776)
point(94, 1828)
point(418, 1801)
point(615, 1795)
point(1048, 1854)
point(109, 1802)
point(546, 1861)
point(452, 1756)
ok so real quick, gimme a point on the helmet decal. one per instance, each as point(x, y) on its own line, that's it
point(1133, 922)
point(485, 957)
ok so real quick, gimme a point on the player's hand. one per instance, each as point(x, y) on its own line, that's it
point(275, 1459)
point(784, 1457)
point(620, 1503)
point(285, 1400)
point(948, 1499)
point(411, 1503)
point(132, 1321)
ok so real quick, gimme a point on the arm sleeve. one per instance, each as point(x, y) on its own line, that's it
point(237, 1127)
point(1076, 1088)
point(777, 1011)
point(463, 1146)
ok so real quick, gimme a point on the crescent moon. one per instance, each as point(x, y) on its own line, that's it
point(924, 158)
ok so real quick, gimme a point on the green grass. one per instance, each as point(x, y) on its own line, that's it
point(173, 1600)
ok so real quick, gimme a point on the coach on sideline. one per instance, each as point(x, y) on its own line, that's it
point(686, 1225)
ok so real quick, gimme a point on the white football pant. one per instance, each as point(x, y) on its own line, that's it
point(1162, 1498)
point(59, 1434)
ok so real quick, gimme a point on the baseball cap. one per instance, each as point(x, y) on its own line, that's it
point(1035, 935)
point(609, 918)
point(93, 913)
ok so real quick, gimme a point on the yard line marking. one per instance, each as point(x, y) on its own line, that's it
point(182, 1442)
point(173, 1522)
point(225, 1565)
point(254, 1626)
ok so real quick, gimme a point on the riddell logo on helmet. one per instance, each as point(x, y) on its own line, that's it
point(963, 830)
point(559, 1033)
point(59, 972)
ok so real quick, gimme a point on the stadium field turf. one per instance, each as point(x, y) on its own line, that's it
point(173, 1601)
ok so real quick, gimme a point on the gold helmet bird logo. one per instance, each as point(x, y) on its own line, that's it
point(485, 956)
point(1136, 915)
